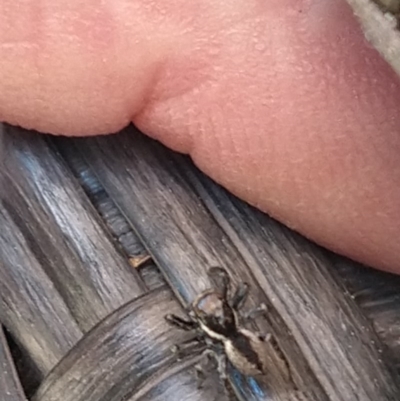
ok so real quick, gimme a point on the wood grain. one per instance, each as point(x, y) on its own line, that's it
point(10, 387)
point(115, 221)
point(73, 212)
point(378, 295)
point(182, 237)
point(31, 308)
point(126, 354)
point(189, 224)
point(60, 270)
point(333, 334)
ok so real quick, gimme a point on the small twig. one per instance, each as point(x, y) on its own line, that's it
point(138, 261)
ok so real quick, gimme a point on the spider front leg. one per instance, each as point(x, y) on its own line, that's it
point(180, 323)
point(186, 325)
point(186, 347)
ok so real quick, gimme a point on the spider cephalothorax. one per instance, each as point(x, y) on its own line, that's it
point(214, 316)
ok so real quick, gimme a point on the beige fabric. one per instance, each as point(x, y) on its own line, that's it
point(380, 28)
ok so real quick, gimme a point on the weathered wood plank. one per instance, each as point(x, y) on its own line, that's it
point(334, 335)
point(378, 294)
point(27, 370)
point(208, 228)
point(111, 215)
point(10, 386)
point(30, 306)
point(60, 271)
point(319, 329)
point(127, 356)
point(116, 222)
point(183, 237)
point(64, 230)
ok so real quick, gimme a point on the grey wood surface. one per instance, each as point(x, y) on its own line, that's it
point(141, 340)
point(10, 386)
point(106, 229)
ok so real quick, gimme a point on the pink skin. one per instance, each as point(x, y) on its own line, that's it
point(281, 101)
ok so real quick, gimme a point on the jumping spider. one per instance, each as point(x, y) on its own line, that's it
point(214, 316)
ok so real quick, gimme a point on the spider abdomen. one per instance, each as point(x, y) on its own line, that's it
point(247, 352)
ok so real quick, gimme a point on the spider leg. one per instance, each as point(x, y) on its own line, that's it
point(200, 375)
point(222, 370)
point(220, 279)
point(186, 347)
point(202, 366)
point(221, 360)
point(255, 312)
point(180, 323)
point(240, 296)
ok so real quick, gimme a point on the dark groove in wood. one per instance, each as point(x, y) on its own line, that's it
point(112, 216)
point(10, 386)
point(152, 276)
point(102, 202)
point(27, 370)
